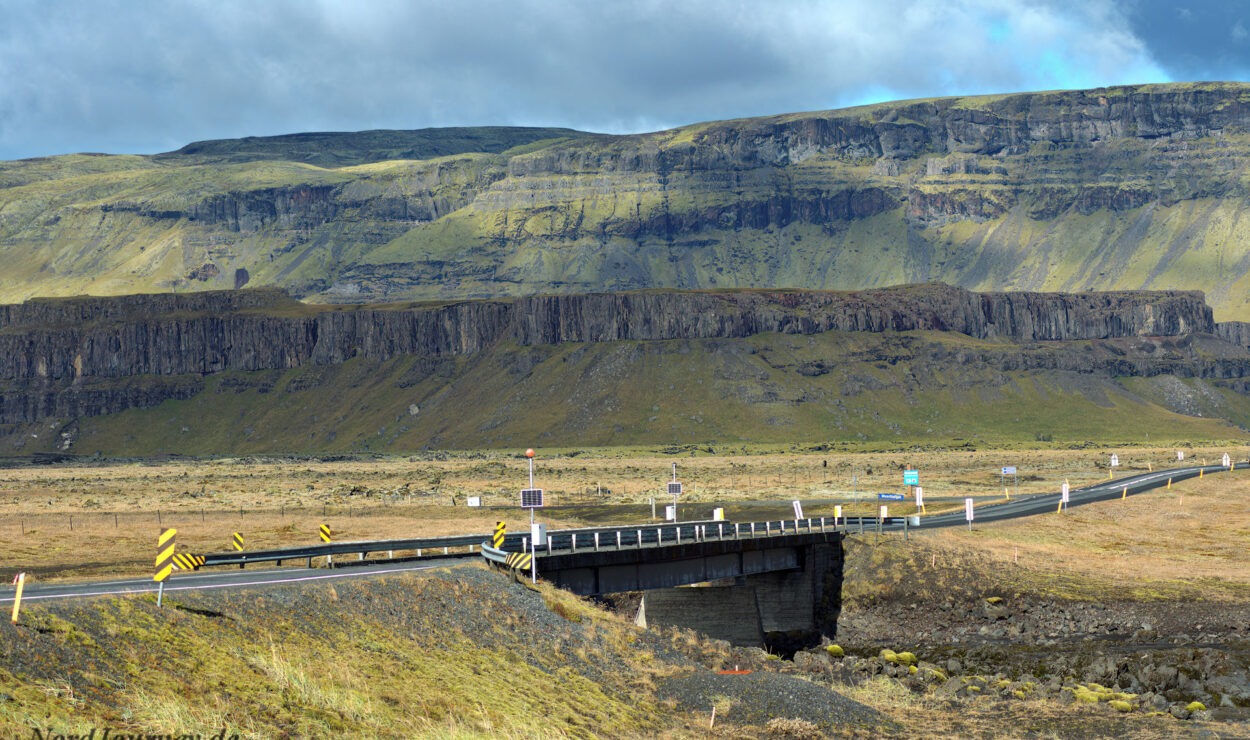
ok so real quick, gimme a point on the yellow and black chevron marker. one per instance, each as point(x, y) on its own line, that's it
point(165, 554)
point(501, 529)
point(237, 540)
point(325, 532)
point(187, 561)
point(519, 560)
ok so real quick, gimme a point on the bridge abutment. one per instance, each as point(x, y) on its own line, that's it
point(774, 609)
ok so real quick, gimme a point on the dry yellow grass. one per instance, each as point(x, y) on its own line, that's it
point(103, 519)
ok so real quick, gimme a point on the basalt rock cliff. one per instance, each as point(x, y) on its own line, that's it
point(1128, 188)
point(65, 361)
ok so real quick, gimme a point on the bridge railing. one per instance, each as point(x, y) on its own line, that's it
point(691, 532)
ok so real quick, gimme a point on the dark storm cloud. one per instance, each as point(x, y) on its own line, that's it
point(142, 76)
point(1196, 39)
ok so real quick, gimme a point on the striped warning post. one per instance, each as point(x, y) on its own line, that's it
point(325, 532)
point(165, 554)
point(501, 529)
point(187, 561)
point(519, 560)
point(237, 540)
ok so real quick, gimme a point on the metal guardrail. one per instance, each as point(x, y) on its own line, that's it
point(612, 538)
point(344, 548)
point(572, 540)
point(651, 535)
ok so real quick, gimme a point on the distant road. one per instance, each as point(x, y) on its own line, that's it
point(1030, 505)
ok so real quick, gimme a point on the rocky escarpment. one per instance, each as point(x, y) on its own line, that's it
point(1128, 188)
point(59, 342)
point(81, 358)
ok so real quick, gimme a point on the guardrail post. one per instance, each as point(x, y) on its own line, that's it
point(768, 529)
point(596, 542)
point(638, 542)
point(575, 542)
point(618, 539)
point(753, 529)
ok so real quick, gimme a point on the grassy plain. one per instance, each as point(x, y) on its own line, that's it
point(404, 665)
point(79, 519)
point(451, 655)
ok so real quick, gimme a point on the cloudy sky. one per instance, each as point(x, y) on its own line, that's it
point(146, 76)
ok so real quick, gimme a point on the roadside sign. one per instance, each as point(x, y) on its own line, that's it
point(1228, 461)
point(798, 509)
point(324, 531)
point(1009, 470)
point(1064, 492)
point(475, 501)
point(501, 531)
point(885, 513)
point(911, 477)
point(919, 498)
point(968, 510)
point(165, 545)
point(1180, 455)
point(890, 497)
point(1115, 461)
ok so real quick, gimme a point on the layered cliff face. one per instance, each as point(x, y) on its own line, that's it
point(1110, 189)
point(199, 334)
point(67, 363)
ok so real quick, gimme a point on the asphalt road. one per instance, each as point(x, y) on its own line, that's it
point(1028, 505)
point(1049, 503)
point(204, 580)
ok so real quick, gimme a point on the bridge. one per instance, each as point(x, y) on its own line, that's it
point(759, 580)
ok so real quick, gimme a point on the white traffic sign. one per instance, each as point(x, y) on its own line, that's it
point(1180, 455)
point(1227, 460)
point(1064, 492)
point(968, 509)
point(1115, 461)
point(798, 509)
